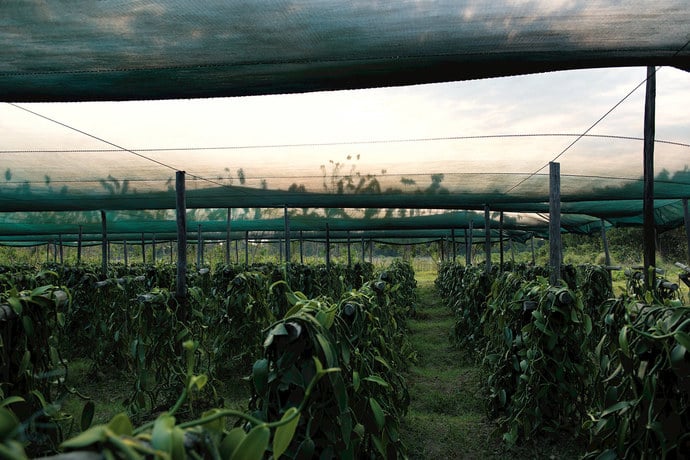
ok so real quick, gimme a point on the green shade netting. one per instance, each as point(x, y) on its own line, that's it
point(116, 50)
point(57, 176)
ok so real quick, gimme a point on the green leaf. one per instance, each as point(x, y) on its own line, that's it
point(87, 413)
point(623, 341)
point(683, 339)
point(588, 324)
point(253, 445)
point(16, 305)
point(355, 380)
point(678, 354)
point(121, 425)
point(231, 442)
point(28, 326)
point(162, 436)
point(198, 381)
point(619, 406)
point(377, 379)
point(260, 375)
point(377, 411)
point(95, 435)
point(11, 400)
point(284, 433)
point(8, 423)
point(306, 449)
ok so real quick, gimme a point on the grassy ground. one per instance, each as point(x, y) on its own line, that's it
point(446, 417)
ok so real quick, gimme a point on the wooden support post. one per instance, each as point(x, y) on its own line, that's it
point(363, 249)
point(62, 255)
point(686, 219)
point(181, 209)
point(555, 251)
point(227, 237)
point(301, 248)
point(246, 248)
point(79, 244)
point(648, 171)
point(534, 259)
point(607, 255)
point(328, 247)
point(467, 249)
point(199, 248)
point(487, 237)
point(469, 243)
point(349, 250)
point(371, 251)
point(442, 247)
point(104, 246)
point(452, 242)
point(287, 236)
point(237, 251)
point(153, 249)
point(124, 251)
point(500, 242)
point(143, 249)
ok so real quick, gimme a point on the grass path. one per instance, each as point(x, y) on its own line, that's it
point(446, 417)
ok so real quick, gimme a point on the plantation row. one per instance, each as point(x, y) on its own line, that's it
point(576, 361)
point(327, 347)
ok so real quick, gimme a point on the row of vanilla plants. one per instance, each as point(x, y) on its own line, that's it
point(573, 359)
point(143, 331)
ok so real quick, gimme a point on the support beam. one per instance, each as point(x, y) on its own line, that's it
point(246, 248)
point(363, 249)
point(467, 249)
point(143, 249)
point(534, 259)
point(328, 247)
point(686, 219)
point(228, 226)
point(605, 242)
point(555, 251)
point(648, 171)
point(79, 243)
point(199, 248)
point(301, 248)
point(153, 249)
point(124, 251)
point(442, 247)
point(349, 250)
point(469, 243)
point(487, 237)
point(500, 241)
point(104, 246)
point(371, 251)
point(181, 209)
point(62, 255)
point(452, 242)
point(287, 236)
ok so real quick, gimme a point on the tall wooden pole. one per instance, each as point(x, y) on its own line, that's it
point(227, 237)
point(246, 248)
point(301, 247)
point(500, 241)
point(199, 248)
point(62, 256)
point(328, 247)
point(648, 171)
point(487, 237)
point(555, 255)
point(686, 218)
point(469, 243)
point(287, 235)
point(181, 209)
point(104, 246)
point(363, 249)
point(452, 240)
point(79, 243)
point(143, 249)
point(349, 250)
point(153, 249)
point(534, 258)
point(124, 251)
point(467, 249)
point(607, 255)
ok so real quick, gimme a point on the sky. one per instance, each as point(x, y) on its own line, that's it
point(291, 136)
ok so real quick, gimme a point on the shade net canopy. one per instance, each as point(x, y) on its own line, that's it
point(387, 161)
